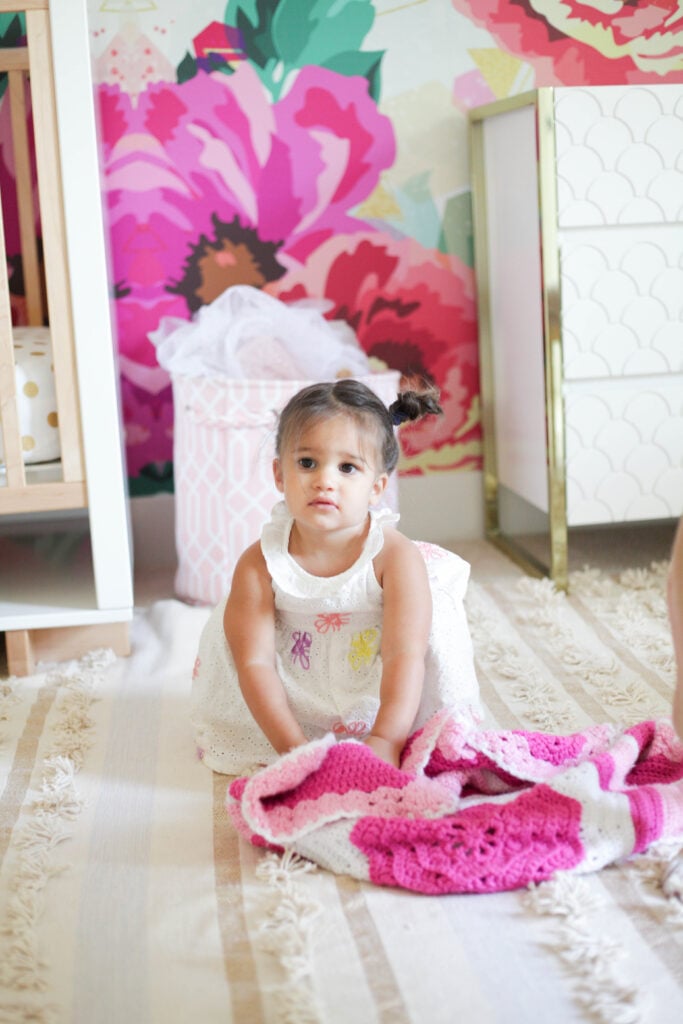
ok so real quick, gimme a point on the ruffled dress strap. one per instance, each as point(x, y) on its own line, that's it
point(287, 574)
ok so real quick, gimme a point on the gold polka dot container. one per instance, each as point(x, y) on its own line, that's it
point(36, 395)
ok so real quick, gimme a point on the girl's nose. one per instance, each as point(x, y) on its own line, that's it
point(323, 479)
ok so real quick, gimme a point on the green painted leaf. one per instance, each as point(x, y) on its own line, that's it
point(313, 31)
point(12, 33)
point(253, 19)
point(365, 63)
point(12, 29)
point(456, 228)
point(418, 216)
point(154, 478)
point(186, 69)
point(299, 32)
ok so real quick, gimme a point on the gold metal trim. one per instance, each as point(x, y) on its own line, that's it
point(552, 334)
point(543, 101)
point(480, 233)
point(486, 110)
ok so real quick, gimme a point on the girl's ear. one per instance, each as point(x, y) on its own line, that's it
point(277, 475)
point(378, 488)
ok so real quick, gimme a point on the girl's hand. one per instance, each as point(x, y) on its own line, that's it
point(388, 751)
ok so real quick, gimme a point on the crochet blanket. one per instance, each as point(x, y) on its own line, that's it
point(470, 810)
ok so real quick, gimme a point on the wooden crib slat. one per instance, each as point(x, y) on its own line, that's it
point(14, 58)
point(54, 242)
point(27, 230)
point(10, 6)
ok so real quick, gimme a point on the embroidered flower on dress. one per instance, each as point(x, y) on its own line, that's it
point(363, 648)
point(356, 728)
point(196, 667)
point(331, 620)
point(430, 552)
point(301, 647)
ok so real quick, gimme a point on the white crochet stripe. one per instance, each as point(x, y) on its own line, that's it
point(592, 957)
point(333, 850)
point(286, 931)
point(52, 811)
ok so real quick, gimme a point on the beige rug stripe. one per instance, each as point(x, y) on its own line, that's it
point(509, 710)
point(613, 640)
point(493, 703)
point(19, 776)
point(570, 682)
point(378, 971)
point(238, 957)
point(647, 920)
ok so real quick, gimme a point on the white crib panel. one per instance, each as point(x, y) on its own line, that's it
point(109, 524)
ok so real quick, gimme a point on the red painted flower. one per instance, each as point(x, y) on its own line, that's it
point(571, 42)
point(414, 309)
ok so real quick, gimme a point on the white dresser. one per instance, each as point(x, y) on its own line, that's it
point(578, 207)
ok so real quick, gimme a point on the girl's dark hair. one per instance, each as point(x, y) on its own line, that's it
point(352, 398)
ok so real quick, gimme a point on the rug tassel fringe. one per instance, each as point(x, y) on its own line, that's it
point(591, 956)
point(286, 933)
point(53, 809)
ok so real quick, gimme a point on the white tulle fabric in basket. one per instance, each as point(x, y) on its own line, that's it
point(247, 334)
point(233, 368)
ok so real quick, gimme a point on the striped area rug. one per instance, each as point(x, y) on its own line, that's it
point(126, 897)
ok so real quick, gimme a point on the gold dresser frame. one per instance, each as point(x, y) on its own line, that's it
point(543, 101)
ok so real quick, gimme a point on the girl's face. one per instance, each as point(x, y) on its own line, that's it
point(329, 476)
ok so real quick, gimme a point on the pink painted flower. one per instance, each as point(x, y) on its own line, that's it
point(573, 43)
point(209, 184)
point(414, 309)
point(148, 425)
point(190, 161)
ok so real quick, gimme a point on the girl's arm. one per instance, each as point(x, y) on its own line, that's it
point(249, 625)
point(407, 617)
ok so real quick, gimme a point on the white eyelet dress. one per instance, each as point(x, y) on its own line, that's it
point(328, 639)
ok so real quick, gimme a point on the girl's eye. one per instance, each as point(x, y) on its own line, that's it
point(306, 463)
point(347, 467)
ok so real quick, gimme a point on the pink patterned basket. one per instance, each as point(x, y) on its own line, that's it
point(224, 441)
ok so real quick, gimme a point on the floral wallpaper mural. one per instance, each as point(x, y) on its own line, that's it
point(260, 162)
point(318, 149)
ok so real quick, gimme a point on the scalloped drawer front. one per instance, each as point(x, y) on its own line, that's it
point(621, 301)
point(619, 155)
point(624, 448)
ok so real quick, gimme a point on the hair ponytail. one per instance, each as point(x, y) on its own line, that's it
point(412, 404)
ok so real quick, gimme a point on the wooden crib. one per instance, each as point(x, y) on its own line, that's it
point(59, 608)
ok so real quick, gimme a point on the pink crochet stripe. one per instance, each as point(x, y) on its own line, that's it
point(478, 810)
point(485, 848)
point(647, 815)
point(310, 787)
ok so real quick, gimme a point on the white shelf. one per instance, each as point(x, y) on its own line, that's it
point(47, 580)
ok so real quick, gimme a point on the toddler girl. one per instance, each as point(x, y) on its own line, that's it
point(335, 621)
